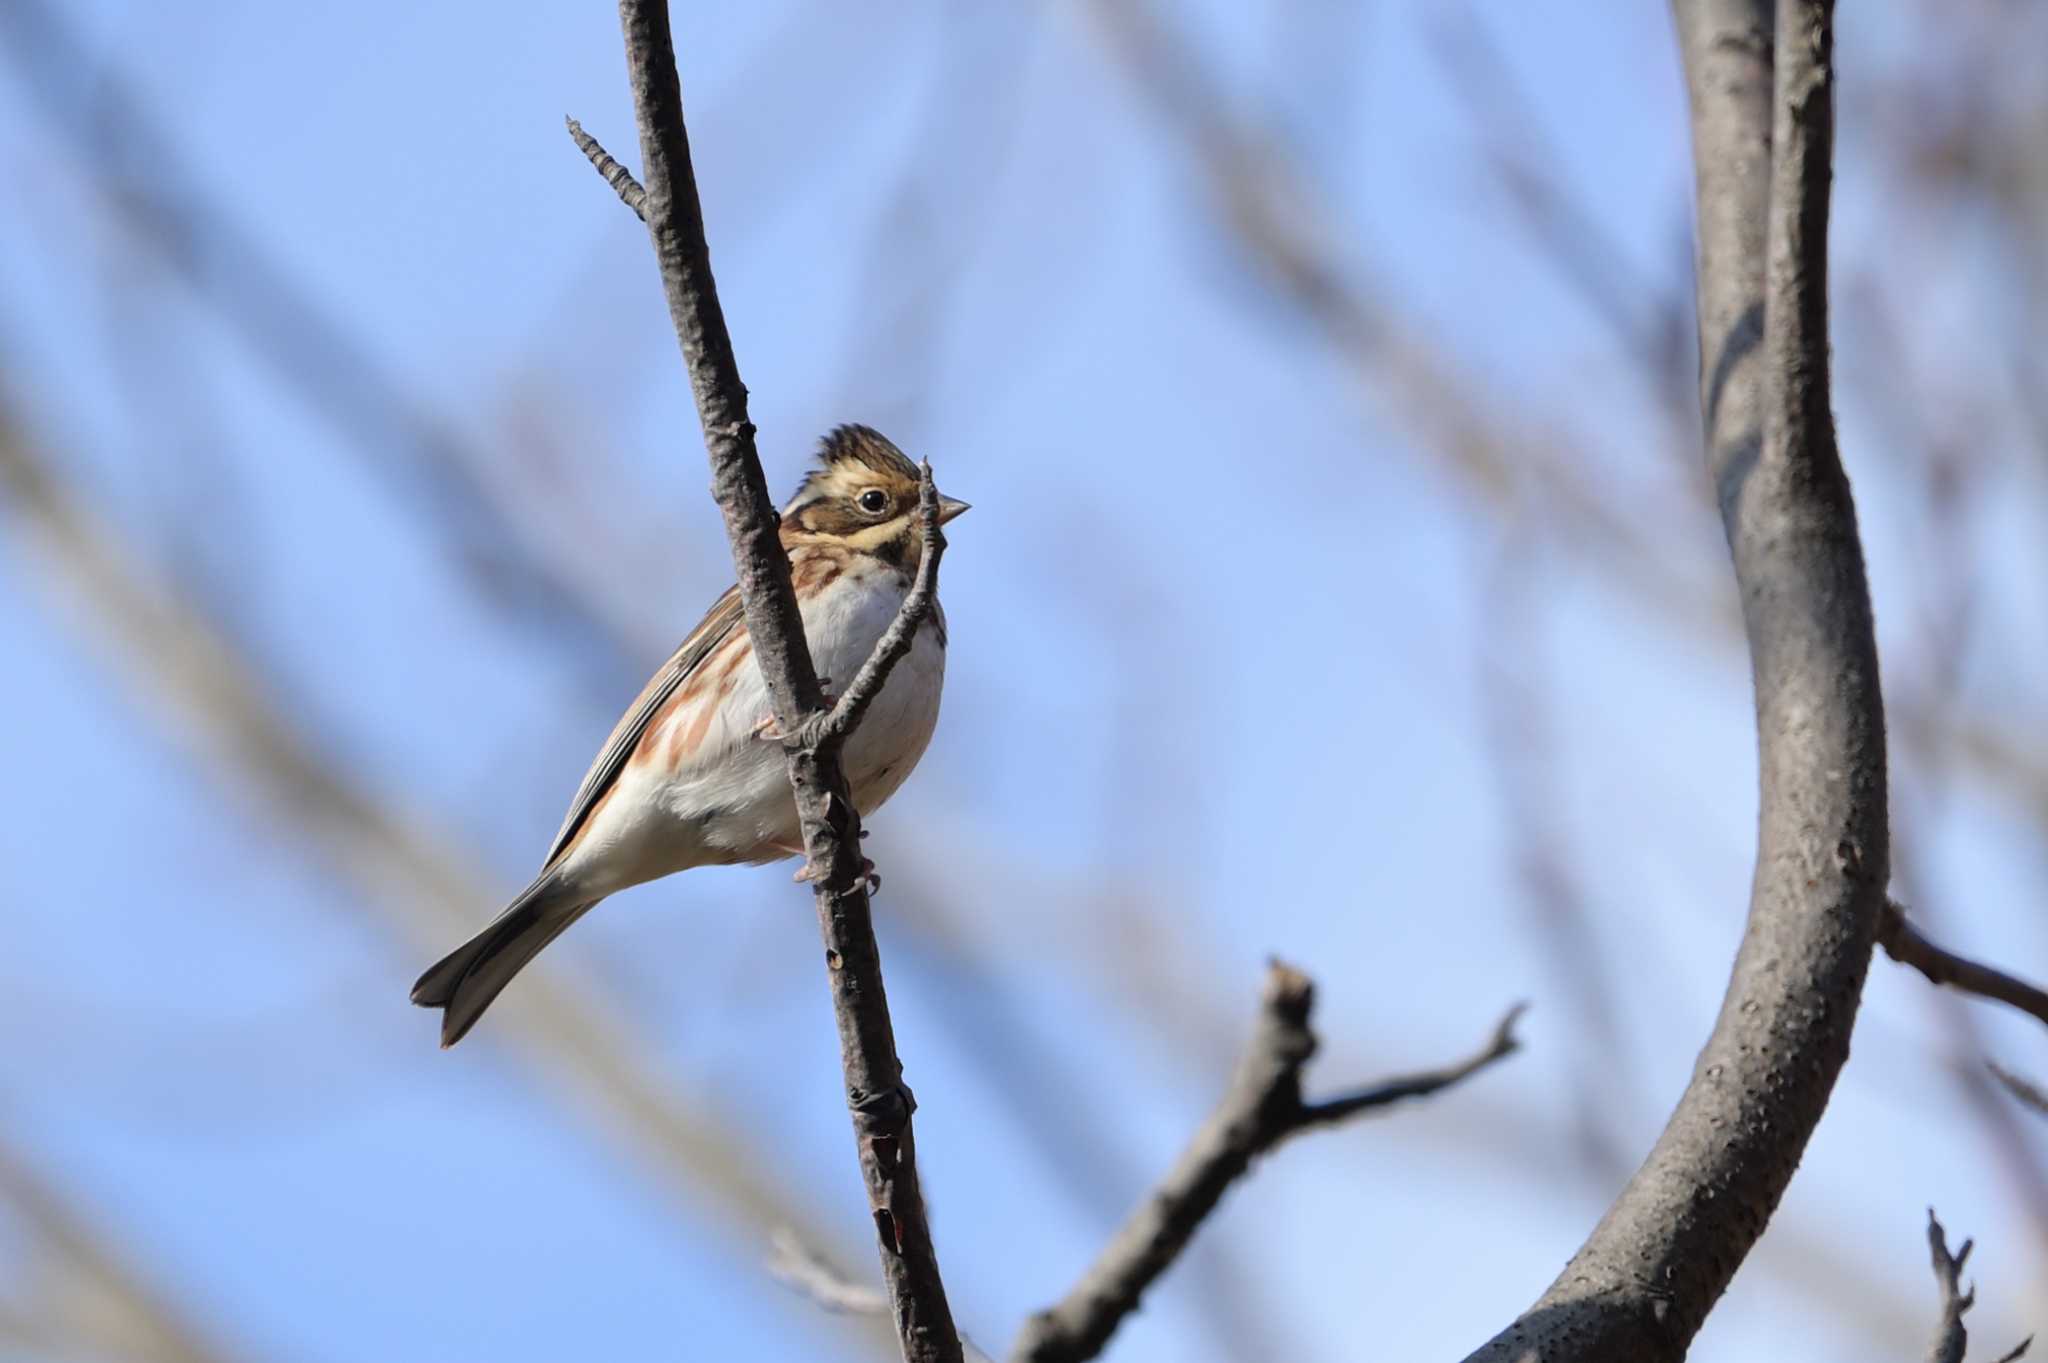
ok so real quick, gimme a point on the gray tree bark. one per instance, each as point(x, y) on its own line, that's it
point(1643, 1283)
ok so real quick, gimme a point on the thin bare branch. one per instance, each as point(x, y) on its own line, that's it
point(878, 1098)
point(1262, 1108)
point(617, 176)
point(1387, 1092)
point(1645, 1279)
point(1905, 944)
point(1951, 1340)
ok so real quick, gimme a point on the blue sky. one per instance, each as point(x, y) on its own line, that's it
point(1228, 626)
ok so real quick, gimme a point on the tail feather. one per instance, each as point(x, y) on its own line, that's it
point(465, 981)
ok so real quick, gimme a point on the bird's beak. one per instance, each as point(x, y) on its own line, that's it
point(949, 507)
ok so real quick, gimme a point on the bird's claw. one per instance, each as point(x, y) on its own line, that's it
point(769, 730)
point(868, 873)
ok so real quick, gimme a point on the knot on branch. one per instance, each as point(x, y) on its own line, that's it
point(882, 1116)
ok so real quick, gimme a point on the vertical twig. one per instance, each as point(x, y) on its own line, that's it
point(880, 1102)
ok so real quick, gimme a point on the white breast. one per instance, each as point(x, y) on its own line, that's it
point(739, 793)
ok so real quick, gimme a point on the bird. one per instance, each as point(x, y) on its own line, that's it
point(693, 775)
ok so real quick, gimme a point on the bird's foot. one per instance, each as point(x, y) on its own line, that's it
point(868, 873)
point(773, 732)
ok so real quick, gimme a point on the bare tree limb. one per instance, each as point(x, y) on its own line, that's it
point(1262, 1108)
point(1950, 1338)
point(1905, 944)
point(1644, 1281)
point(880, 1102)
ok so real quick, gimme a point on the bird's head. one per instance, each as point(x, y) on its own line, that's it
point(863, 491)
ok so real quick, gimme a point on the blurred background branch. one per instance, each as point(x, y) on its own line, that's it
point(86, 1299)
point(427, 467)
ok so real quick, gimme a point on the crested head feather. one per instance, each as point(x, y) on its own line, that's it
point(845, 455)
point(864, 445)
point(863, 491)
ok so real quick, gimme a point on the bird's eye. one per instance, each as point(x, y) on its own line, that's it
point(874, 501)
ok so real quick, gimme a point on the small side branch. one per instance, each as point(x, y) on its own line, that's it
point(1950, 1338)
point(1905, 944)
point(1391, 1091)
point(617, 176)
point(1262, 1108)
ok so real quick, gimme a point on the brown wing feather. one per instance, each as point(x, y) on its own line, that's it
point(721, 620)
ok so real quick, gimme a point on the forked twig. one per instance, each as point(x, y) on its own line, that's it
point(1261, 1109)
point(1951, 1339)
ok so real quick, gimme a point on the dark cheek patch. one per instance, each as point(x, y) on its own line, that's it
point(893, 552)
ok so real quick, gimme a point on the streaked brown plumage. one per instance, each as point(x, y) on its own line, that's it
point(685, 779)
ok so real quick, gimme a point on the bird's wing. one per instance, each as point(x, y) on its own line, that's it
point(719, 622)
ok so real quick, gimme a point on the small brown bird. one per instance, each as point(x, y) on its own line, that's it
point(688, 778)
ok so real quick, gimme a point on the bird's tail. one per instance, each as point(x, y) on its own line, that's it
point(463, 983)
